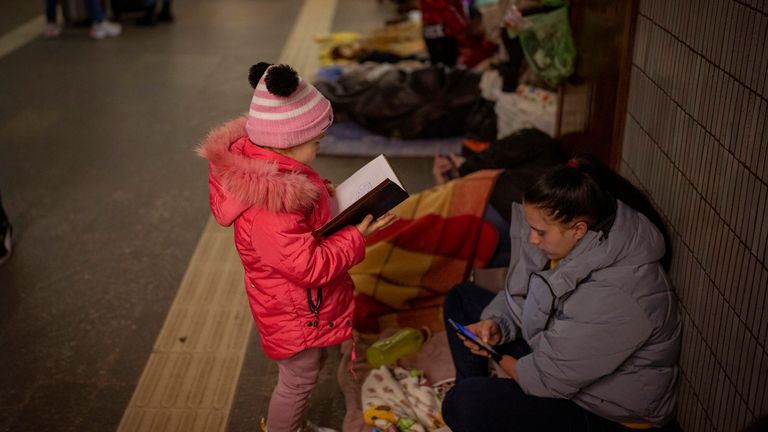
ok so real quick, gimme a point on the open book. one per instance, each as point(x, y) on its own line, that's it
point(373, 189)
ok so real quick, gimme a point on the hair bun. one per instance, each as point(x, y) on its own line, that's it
point(256, 72)
point(282, 80)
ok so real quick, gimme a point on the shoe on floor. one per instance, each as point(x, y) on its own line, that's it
point(52, 31)
point(6, 246)
point(105, 29)
point(308, 426)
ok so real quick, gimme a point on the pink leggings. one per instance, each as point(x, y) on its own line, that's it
point(296, 379)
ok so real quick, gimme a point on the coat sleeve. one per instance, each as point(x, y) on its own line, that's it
point(288, 245)
point(600, 328)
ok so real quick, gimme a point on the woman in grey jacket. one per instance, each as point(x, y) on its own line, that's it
point(587, 325)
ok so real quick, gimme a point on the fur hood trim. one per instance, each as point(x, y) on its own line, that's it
point(259, 183)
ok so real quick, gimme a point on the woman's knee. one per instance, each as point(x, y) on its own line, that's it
point(452, 300)
point(460, 405)
point(455, 300)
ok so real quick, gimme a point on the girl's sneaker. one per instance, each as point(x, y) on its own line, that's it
point(308, 426)
point(52, 31)
point(105, 29)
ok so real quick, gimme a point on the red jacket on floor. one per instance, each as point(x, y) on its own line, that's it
point(449, 13)
point(275, 204)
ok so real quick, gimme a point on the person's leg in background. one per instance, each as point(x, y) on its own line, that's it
point(151, 17)
point(101, 28)
point(297, 376)
point(165, 14)
point(510, 69)
point(443, 50)
point(52, 28)
point(150, 14)
point(5, 234)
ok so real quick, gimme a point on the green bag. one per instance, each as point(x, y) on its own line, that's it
point(548, 45)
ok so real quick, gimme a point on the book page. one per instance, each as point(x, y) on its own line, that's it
point(361, 182)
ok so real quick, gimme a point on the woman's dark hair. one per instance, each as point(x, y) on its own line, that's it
point(585, 188)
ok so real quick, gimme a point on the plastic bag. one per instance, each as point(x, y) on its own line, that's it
point(548, 45)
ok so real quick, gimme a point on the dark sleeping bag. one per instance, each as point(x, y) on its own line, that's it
point(433, 102)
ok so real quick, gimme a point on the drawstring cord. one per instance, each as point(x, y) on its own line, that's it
point(314, 307)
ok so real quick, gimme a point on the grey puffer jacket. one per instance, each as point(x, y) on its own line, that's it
point(603, 324)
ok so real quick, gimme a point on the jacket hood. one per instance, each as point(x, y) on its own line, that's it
point(632, 241)
point(243, 176)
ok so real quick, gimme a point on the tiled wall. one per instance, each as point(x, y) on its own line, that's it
point(696, 139)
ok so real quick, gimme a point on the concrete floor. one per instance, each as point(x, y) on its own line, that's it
point(108, 200)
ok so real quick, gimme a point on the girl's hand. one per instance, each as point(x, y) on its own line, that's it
point(331, 188)
point(368, 226)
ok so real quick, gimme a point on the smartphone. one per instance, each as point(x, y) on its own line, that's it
point(463, 331)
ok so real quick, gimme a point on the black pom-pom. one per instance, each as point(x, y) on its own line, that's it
point(282, 80)
point(256, 72)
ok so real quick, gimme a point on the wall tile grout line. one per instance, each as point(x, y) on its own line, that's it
point(749, 6)
point(695, 395)
point(736, 159)
point(682, 239)
point(705, 58)
point(700, 332)
point(711, 133)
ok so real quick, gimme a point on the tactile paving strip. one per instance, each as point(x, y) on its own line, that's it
point(190, 378)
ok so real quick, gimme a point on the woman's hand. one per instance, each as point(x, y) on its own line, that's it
point(368, 226)
point(487, 331)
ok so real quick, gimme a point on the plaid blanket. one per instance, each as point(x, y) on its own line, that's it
point(410, 265)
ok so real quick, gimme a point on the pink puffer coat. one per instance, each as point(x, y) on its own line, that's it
point(298, 287)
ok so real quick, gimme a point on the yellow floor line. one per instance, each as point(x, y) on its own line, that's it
point(300, 51)
point(21, 35)
point(189, 381)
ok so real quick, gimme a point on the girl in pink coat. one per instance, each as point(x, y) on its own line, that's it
point(260, 181)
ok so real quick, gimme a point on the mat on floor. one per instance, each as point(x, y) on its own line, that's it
point(351, 139)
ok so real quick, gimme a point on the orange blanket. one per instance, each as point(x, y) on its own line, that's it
point(410, 265)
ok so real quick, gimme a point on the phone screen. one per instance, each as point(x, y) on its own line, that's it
point(469, 335)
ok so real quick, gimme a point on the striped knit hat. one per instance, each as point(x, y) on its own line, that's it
point(285, 110)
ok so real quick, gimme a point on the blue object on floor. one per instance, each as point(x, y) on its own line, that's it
point(351, 139)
